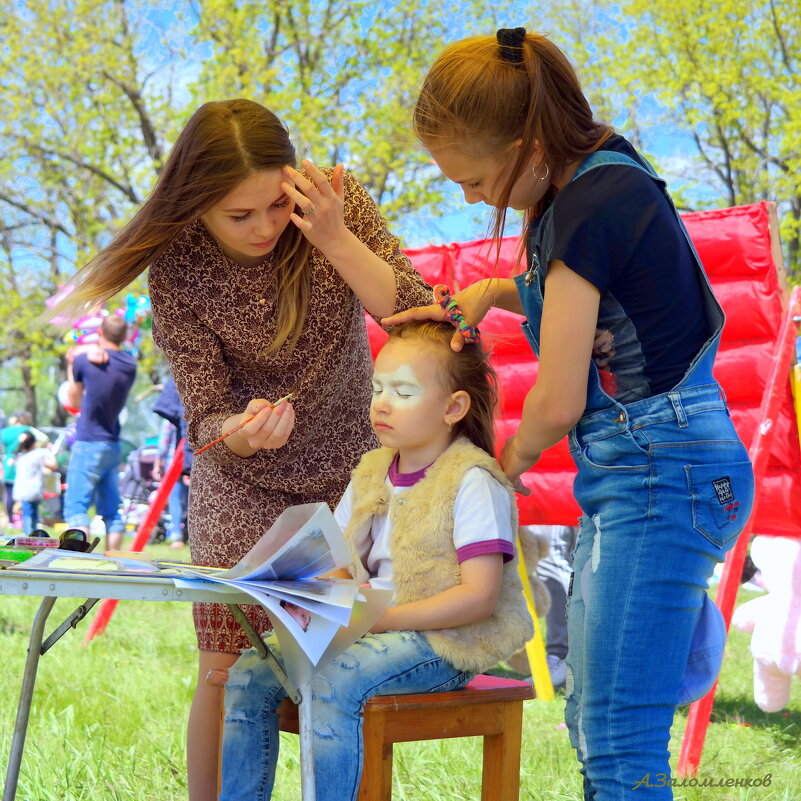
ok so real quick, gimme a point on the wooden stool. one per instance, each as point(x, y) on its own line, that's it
point(488, 707)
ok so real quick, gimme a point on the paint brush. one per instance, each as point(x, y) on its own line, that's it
point(286, 398)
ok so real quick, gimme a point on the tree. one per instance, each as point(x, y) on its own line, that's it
point(81, 144)
point(100, 88)
point(728, 74)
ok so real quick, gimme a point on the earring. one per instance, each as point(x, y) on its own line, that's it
point(450, 428)
point(543, 177)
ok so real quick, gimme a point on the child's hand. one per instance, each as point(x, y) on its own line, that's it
point(383, 623)
point(97, 355)
point(603, 348)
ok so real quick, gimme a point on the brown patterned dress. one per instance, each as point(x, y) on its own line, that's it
point(208, 321)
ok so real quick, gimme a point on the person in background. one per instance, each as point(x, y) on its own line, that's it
point(173, 431)
point(556, 571)
point(30, 463)
point(99, 383)
point(19, 423)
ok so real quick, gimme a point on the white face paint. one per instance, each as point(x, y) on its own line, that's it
point(400, 389)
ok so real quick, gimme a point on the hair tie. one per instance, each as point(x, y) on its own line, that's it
point(510, 41)
point(442, 295)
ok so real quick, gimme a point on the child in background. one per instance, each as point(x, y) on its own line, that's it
point(429, 515)
point(30, 462)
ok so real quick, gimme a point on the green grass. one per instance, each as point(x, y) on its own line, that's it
point(109, 722)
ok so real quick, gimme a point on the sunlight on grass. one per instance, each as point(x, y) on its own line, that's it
point(108, 722)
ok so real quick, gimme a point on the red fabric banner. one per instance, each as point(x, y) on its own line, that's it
point(736, 250)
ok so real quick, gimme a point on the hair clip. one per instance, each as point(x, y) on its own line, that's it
point(510, 41)
point(454, 314)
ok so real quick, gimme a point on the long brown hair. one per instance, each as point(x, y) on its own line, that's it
point(475, 98)
point(222, 144)
point(469, 370)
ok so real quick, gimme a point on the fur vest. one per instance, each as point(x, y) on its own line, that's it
point(424, 559)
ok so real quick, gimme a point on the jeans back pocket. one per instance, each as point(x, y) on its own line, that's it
point(722, 498)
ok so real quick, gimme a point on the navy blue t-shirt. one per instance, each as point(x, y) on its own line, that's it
point(615, 228)
point(106, 387)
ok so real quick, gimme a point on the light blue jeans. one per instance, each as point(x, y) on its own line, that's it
point(666, 487)
point(176, 505)
point(30, 516)
point(392, 663)
point(93, 476)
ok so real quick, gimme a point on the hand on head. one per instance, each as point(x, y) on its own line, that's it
point(320, 201)
point(474, 302)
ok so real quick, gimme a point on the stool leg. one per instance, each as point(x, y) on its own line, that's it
point(376, 783)
point(501, 776)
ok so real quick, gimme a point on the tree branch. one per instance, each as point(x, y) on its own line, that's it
point(128, 191)
point(780, 39)
point(145, 125)
point(52, 224)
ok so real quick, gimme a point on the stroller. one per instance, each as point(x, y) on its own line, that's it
point(137, 487)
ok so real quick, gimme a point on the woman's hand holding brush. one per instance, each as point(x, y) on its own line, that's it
point(263, 425)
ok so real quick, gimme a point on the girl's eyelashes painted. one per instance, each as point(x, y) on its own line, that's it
point(242, 218)
point(399, 393)
point(473, 186)
point(282, 205)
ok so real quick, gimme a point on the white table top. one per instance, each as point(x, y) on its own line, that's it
point(121, 587)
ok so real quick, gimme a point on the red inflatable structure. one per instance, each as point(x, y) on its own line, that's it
point(740, 252)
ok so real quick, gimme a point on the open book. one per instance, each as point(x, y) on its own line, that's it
point(314, 619)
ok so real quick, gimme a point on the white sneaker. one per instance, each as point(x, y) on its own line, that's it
point(557, 667)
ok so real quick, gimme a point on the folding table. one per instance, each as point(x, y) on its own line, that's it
point(53, 585)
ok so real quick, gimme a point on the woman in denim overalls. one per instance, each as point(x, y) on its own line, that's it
point(664, 483)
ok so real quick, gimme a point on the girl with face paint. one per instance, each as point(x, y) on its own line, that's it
point(429, 516)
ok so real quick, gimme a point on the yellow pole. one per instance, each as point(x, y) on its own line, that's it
point(535, 648)
point(796, 384)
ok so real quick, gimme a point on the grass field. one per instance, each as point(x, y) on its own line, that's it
point(109, 722)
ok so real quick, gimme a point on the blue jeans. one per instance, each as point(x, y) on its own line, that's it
point(176, 506)
point(665, 487)
point(93, 476)
point(393, 663)
point(30, 516)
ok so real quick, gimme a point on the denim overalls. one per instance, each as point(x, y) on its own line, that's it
point(665, 487)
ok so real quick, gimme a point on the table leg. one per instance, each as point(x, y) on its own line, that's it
point(308, 791)
point(25, 697)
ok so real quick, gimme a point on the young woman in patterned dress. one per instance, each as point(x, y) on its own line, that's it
point(259, 278)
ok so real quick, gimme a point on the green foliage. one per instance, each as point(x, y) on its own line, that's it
point(108, 722)
point(100, 89)
point(726, 74)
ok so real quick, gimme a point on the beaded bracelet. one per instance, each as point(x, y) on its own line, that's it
point(442, 295)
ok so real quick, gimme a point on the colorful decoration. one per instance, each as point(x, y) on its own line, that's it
point(86, 330)
point(442, 295)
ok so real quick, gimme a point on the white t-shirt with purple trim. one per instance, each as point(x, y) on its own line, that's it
point(481, 522)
